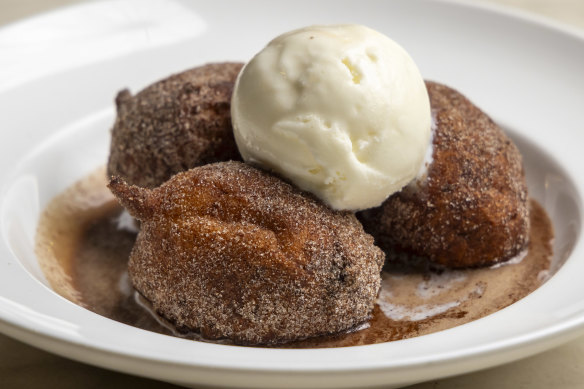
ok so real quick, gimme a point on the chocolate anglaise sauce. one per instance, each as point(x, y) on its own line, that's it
point(84, 240)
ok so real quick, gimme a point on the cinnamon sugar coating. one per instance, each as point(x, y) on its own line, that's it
point(472, 209)
point(173, 125)
point(234, 252)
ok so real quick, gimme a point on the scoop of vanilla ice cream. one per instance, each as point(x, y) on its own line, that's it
point(342, 111)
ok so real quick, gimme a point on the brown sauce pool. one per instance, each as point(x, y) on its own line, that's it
point(84, 241)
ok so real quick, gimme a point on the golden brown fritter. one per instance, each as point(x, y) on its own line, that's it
point(234, 252)
point(173, 125)
point(472, 208)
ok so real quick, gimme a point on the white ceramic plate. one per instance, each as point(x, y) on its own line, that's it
point(60, 73)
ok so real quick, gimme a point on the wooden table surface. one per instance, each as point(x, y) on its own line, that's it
point(25, 366)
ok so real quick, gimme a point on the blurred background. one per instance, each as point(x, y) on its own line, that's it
point(567, 11)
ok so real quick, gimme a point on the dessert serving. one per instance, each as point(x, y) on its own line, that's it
point(173, 125)
point(336, 127)
point(341, 111)
point(237, 253)
point(471, 208)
